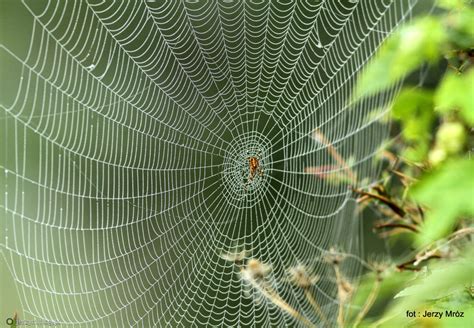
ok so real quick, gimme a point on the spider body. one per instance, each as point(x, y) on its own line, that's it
point(254, 168)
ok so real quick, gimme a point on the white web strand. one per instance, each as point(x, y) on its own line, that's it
point(128, 129)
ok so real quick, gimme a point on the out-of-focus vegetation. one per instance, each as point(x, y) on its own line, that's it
point(426, 203)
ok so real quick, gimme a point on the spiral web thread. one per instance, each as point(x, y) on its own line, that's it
point(128, 129)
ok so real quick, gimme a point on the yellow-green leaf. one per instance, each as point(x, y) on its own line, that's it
point(404, 52)
point(457, 92)
point(448, 193)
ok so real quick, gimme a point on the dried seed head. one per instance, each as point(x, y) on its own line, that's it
point(380, 269)
point(345, 290)
point(300, 276)
point(334, 257)
point(380, 265)
point(256, 270)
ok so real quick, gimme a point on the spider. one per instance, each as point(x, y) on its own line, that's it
point(254, 167)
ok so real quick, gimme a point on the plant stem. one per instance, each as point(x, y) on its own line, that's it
point(315, 305)
point(340, 289)
point(273, 296)
point(427, 254)
point(369, 302)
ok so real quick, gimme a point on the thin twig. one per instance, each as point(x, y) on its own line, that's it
point(397, 225)
point(425, 254)
point(403, 176)
point(405, 265)
point(394, 207)
point(273, 296)
point(335, 154)
point(363, 199)
point(391, 157)
point(421, 212)
point(370, 301)
point(380, 189)
point(342, 296)
point(315, 305)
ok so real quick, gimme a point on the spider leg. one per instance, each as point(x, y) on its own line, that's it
point(251, 176)
point(248, 181)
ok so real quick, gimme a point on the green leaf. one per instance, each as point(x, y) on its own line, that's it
point(457, 92)
point(461, 29)
point(390, 284)
point(404, 52)
point(448, 194)
point(452, 4)
point(414, 109)
point(445, 280)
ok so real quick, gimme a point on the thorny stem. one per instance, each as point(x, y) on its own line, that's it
point(315, 305)
point(273, 296)
point(370, 300)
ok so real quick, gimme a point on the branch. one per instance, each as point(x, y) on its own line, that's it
point(397, 225)
point(393, 206)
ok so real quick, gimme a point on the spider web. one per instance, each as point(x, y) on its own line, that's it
point(128, 128)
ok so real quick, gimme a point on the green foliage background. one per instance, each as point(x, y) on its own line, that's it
point(437, 141)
